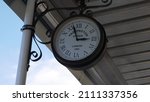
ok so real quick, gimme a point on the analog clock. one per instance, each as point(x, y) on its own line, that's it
point(78, 42)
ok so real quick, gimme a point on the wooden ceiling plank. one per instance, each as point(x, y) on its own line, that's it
point(139, 81)
point(130, 49)
point(127, 13)
point(129, 38)
point(137, 74)
point(134, 58)
point(115, 4)
point(134, 67)
point(127, 26)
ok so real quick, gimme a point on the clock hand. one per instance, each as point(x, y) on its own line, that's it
point(83, 39)
point(75, 32)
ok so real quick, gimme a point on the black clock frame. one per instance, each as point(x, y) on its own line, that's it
point(91, 59)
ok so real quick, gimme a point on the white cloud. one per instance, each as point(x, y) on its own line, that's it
point(50, 72)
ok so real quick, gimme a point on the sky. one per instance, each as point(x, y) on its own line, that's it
point(47, 71)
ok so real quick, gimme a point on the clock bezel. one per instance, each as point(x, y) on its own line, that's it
point(89, 60)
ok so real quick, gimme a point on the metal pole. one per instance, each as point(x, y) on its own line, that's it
point(25, 44)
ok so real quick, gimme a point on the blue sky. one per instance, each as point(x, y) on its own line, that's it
point(45, 71)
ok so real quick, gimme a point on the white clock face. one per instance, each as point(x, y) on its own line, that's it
point(77, 38)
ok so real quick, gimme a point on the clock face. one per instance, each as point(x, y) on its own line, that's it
point(76, 39)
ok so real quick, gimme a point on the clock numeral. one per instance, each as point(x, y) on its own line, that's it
point(86, 26)
point(63, 48)
point(70, 28)
point(62, 41)
point(94, 38)
point(76, 55)
point(64, 33)
point(92, 31)
point(70, 34)
point(91, 46)
point(79, 25)
point(85, 53)
point(68, 53)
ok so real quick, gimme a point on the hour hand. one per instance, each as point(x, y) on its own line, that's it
point(83, 39)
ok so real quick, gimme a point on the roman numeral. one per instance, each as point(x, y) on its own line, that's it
point(76, 55)
point(79, 25)
point(62, 41)
point(70, 28)
point(68, 53)
point(94, 38)
point(92, 31)
point(91, 46)
point(63, 48)
point(86, 26)
point(85, 53)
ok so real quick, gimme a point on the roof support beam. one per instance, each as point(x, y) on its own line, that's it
point(108, 72)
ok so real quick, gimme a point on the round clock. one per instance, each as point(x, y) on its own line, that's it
point(78, 42)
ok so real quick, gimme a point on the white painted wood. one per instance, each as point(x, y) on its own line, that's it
point(123, 14)
point(137, 74)
point(145, 80)
point(134, 58)
point(130, 38)
point(130, 49)
point(115, 4)
point(128, 26)
point(134, 67)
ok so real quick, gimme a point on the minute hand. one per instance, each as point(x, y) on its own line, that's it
point(75, 32)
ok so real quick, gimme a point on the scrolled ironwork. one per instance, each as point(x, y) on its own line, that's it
point(34, 55)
